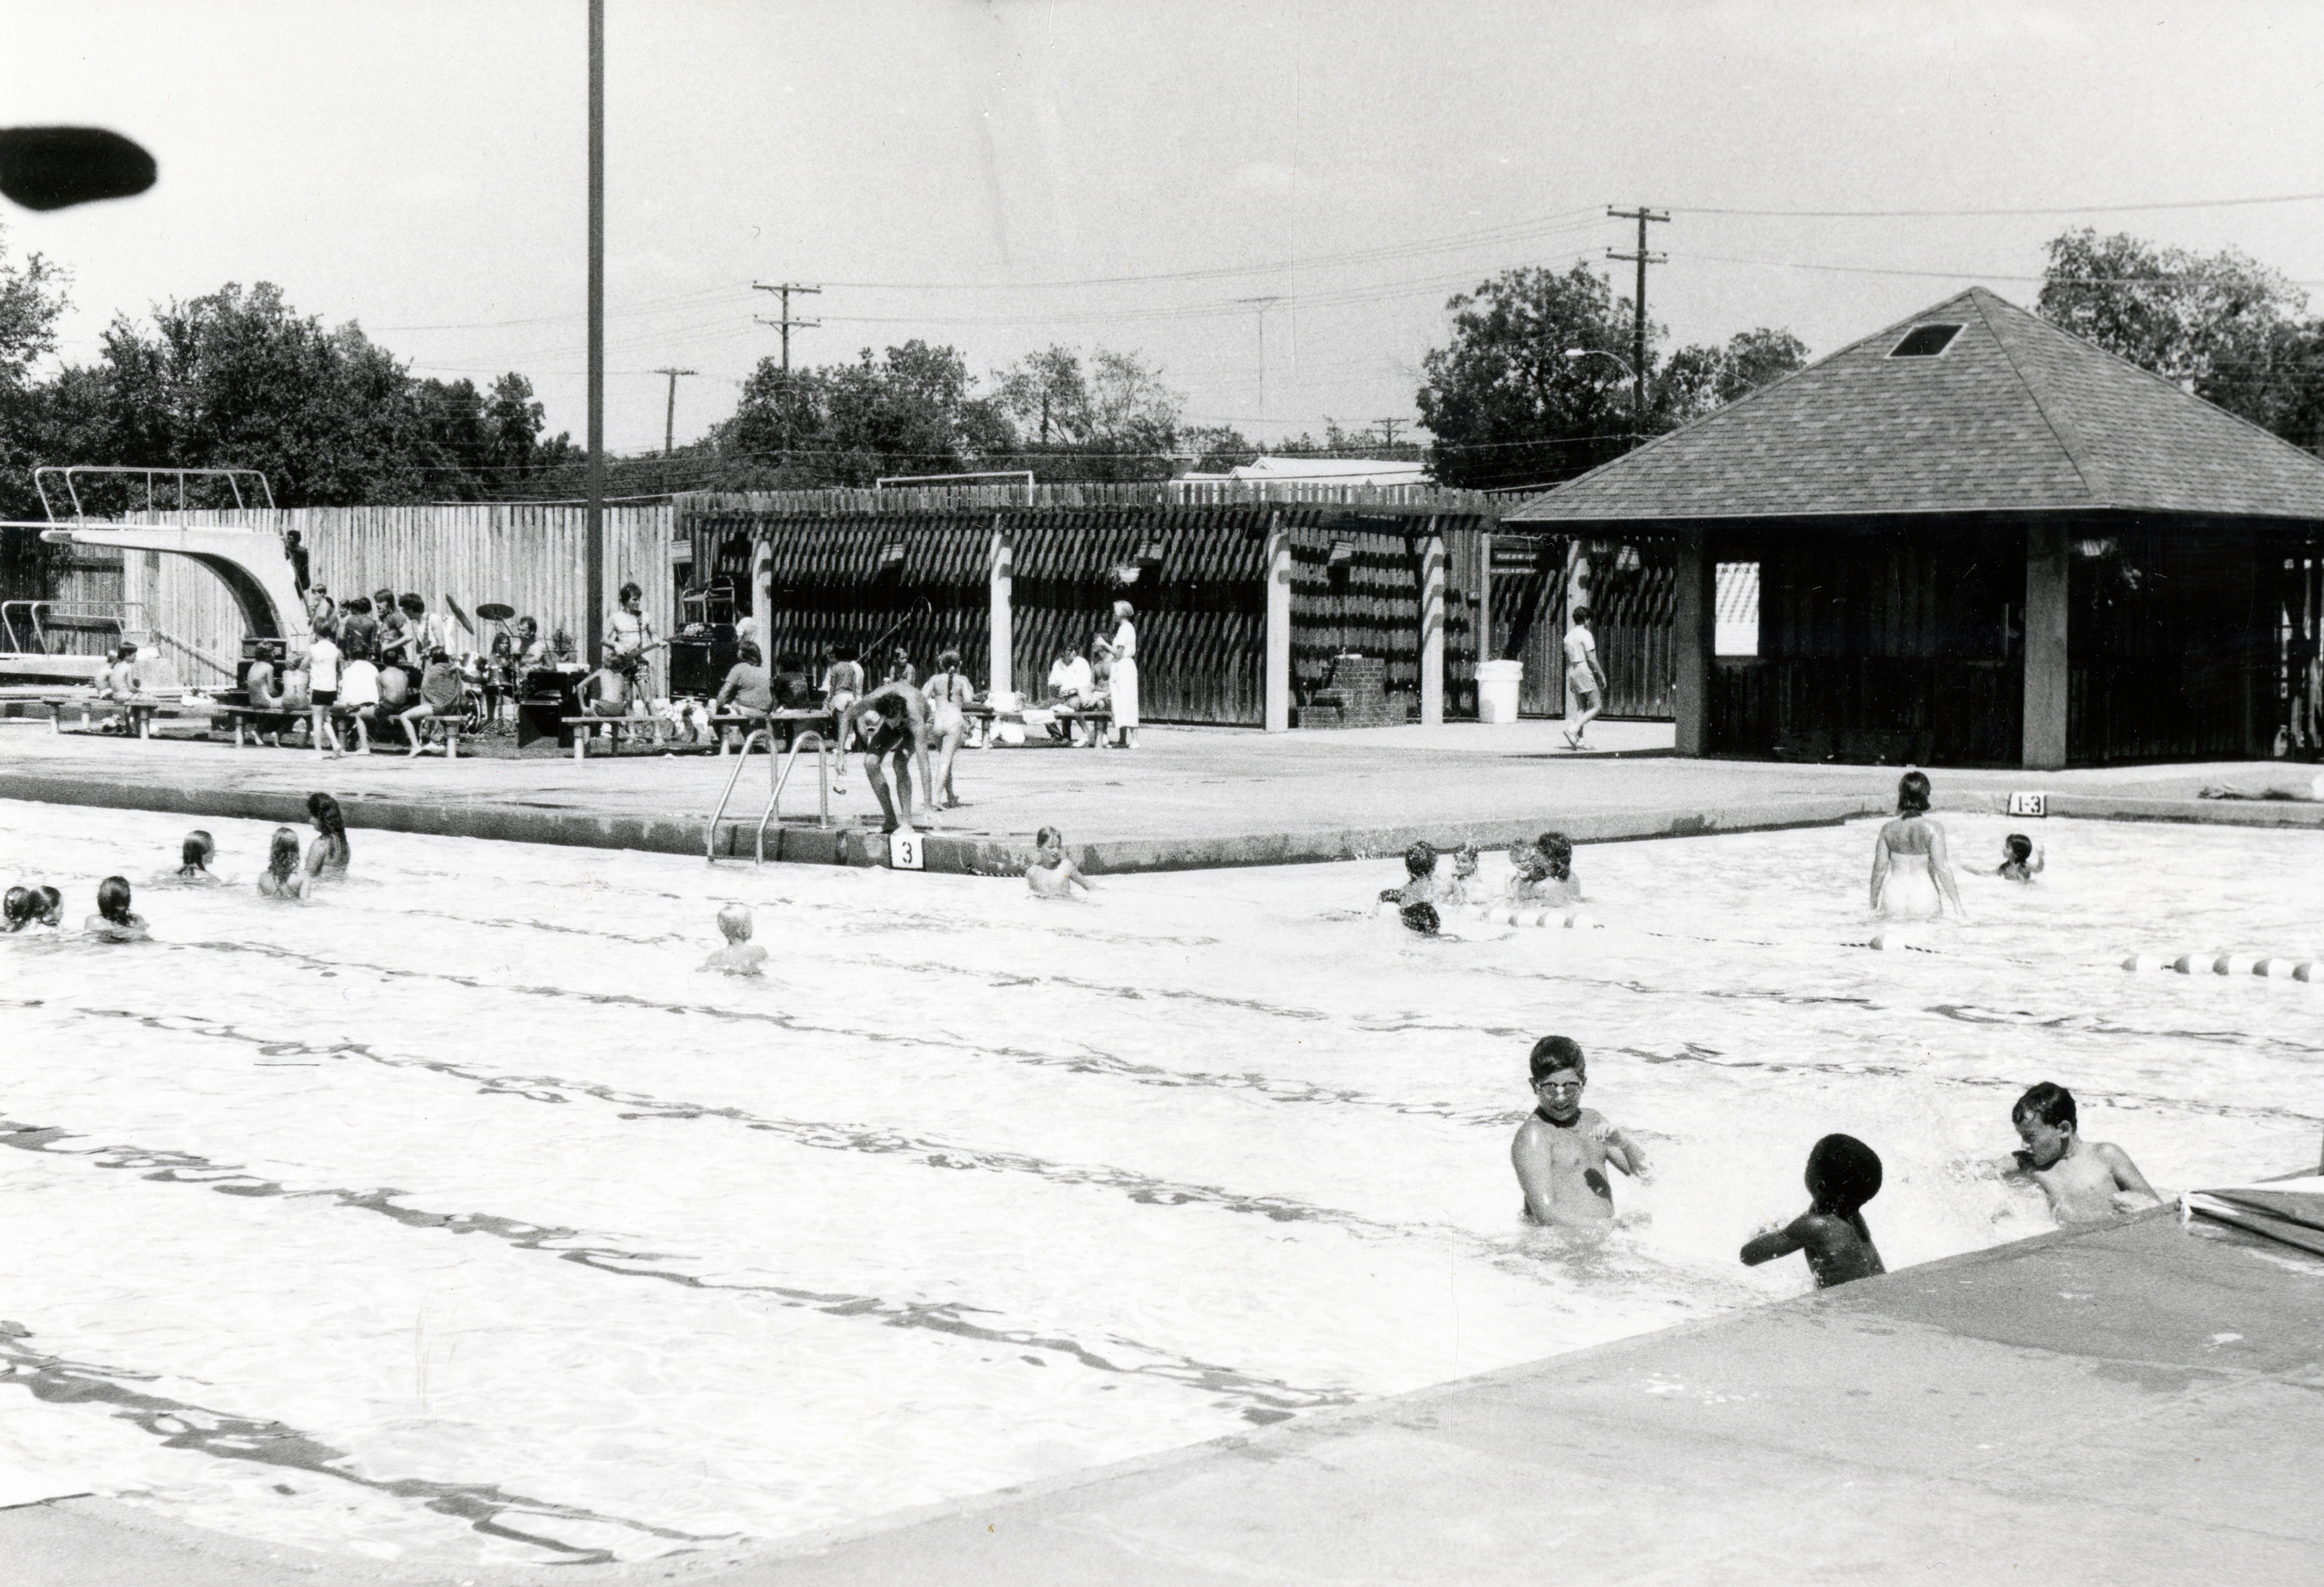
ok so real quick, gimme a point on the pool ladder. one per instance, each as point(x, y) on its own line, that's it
point(775, 779)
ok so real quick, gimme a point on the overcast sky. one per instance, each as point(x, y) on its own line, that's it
point(986, 174)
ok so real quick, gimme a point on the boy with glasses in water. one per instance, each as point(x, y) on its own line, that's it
point(1561, 1151)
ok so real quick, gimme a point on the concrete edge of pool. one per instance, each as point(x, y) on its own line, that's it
point(2127, 1402)
point(987, 853)
point(953, 853)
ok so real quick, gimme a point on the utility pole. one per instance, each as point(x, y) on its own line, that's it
point(1387, 431)
point(787, 325)
point(670, 416)
point(593, 555)
point(1262, 305)
point(1642, 215)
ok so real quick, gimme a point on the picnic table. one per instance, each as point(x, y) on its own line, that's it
point(1099, 718)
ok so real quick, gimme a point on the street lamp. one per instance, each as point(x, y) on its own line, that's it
point(1638, 383)
point(1601, 353)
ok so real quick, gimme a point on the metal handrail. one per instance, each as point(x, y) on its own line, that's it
point(822, 778)
point(741, 761)
point(71, 473)
point(35, 624)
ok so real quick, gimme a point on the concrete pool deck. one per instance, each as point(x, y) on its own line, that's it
point(1186, 798)
point(2126, 1403)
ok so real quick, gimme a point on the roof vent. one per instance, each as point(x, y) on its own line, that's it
point(1925, 341)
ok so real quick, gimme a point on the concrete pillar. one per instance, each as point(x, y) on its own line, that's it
point(1432, 629)
point(1485, 650)
point(1278, 625)
point(1694, 639)
point(1002, 663)
point(2043, 744)
point(763, 605)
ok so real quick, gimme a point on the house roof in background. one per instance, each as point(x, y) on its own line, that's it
point(2013, 415)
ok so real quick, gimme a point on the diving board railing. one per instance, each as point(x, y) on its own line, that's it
point(778, 777)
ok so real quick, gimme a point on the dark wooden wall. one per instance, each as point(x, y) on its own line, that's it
point(1878, 644)
point(2176, 645)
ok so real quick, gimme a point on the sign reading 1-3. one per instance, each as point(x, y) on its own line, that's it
point(904, 851)
point(2029, 804)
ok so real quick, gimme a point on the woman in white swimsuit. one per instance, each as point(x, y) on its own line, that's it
point(1912, 873)
point(948, 689)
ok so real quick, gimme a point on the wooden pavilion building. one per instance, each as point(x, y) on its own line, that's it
point(1980, 540)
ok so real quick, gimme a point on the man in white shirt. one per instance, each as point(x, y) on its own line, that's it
point(1071, 683)
point(1584, 678)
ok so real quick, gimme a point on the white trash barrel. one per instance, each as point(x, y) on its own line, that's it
point(1497, 683)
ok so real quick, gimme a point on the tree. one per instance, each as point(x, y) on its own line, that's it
point(2224, 323)
point(908, 410)
point(32, 298)
point(1506, 404)
point(1695, 379)
point(512, 424)
point(1046, 392)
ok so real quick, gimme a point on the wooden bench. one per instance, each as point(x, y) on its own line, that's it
point(140, 711)
point(630, 726)
point(1099, 718)
point(822, 719)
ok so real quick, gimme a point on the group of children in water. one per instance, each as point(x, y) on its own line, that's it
point(1563, 1151)
point(1541, 876)
point(288, 875)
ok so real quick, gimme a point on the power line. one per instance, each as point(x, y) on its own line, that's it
point(787, 325)
point(2032, 210)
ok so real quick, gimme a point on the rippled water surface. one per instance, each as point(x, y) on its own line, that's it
point(457, 1217)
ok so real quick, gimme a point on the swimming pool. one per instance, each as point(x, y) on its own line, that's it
point(457, 1219)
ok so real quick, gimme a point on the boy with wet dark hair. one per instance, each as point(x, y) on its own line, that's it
point(114, 920)
point(1842, 1175)
point(2020, 860)
point(1419, 879)
point(1561, 1151)
point(2085, 1180)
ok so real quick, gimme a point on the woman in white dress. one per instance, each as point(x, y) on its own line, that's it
point(1912, 873)
point(1124, 646)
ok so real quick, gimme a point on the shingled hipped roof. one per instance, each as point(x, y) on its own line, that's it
point(2015, 416)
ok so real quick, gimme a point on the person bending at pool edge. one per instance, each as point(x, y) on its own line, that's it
point(1561, 1151)
point(1053, 873)
point(892, 721)
point(741, 955)
point(1843, 1174)
point(113, 921)
point(2085, 1180)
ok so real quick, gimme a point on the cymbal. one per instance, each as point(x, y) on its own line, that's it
point(496, 611)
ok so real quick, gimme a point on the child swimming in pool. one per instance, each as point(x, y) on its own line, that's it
point(114, 920)
point(283, 878)
point(2084, 1180)
point(1561, 1151)
point(1420, 883)
point(328, 855)
point(741, 955)
point(1053, 873)
point(1545, 871)
point(2021, 861)
point(20, 908)
point(194, 856)
point(1842, 1175)
point(1464, 875)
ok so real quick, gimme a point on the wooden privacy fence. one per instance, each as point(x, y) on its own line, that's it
point(925, 578)
point(527, 557)
point(1194, 574)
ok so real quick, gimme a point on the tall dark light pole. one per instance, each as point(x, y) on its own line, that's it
point(593, 556)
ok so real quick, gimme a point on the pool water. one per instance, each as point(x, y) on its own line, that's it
point(456, 1218)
